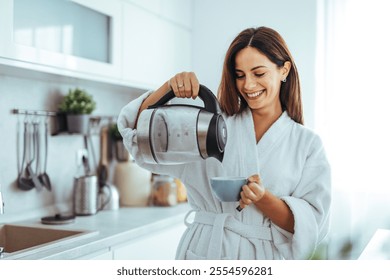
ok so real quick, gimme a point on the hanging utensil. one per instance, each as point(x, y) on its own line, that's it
point(85, 156)
point(102, 170)
point(44, 177)
point(18, 159)
point(25, 184)
point(35, 157)
point(88, 145)
point(82, 162)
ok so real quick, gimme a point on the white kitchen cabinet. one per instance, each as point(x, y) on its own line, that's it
point(154, 49)
point(100, 255)
point(139, 44)
point(78, 35)
point(159, 245)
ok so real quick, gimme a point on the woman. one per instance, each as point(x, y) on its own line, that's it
point(287, 198)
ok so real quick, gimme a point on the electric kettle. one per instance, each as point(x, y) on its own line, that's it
point(180, 133)
point(85, 195)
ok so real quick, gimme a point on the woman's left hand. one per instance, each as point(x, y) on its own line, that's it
point(252, 192)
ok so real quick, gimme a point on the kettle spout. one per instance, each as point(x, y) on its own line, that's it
point(218, 156)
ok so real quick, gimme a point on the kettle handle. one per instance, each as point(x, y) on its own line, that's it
point(209, 99)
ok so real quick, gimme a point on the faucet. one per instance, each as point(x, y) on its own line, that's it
point(1, 203)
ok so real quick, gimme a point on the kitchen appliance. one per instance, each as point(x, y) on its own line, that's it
point(89, 197)
point(85, 195)
point(174, 134)
point(109, 197)
point(85, 186)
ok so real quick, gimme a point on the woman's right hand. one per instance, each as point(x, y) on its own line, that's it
point(184, 85)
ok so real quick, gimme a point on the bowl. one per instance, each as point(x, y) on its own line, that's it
point(227, 188)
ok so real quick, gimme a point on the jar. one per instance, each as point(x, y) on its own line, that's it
point(164, 192)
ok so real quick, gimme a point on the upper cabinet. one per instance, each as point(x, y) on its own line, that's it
point(78, 35)
point(130, 42)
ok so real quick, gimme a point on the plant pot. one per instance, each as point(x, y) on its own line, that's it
point(60, 124)
point(78, 123)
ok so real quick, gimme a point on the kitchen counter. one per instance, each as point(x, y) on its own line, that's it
point(111, 229)
point(378, 248)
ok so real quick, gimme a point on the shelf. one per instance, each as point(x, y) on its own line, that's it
point(48, 73)
point(96, 122)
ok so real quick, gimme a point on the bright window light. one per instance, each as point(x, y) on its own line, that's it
point(352, 108)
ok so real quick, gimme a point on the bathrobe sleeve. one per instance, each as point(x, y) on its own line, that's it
point(126, 125)
point(310, 205)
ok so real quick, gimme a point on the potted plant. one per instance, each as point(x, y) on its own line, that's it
point(77, 105)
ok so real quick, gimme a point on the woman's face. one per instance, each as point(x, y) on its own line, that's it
point(258, 79)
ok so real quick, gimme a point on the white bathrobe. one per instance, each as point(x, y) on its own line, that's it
point(292, 164)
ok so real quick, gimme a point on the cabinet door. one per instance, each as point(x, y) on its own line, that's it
point(160, 245)
point(100, 255)
point(154, 49)
point(76, 35)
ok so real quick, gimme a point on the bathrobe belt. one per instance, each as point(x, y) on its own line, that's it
point(222, 221)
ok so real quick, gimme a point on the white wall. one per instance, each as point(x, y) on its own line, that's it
point(217, 22)
point(34, 91)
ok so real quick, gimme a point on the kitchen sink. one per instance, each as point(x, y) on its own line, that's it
point(19, 239)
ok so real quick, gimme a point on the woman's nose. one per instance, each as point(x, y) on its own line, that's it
point(249, 83)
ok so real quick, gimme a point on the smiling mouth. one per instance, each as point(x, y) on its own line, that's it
point(255, 94)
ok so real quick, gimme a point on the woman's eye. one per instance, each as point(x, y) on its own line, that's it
point(259, 74)
point(239, 76)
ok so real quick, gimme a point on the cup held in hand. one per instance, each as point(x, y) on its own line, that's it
point(227, 188)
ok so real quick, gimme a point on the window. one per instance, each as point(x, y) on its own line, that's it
point(353, 93)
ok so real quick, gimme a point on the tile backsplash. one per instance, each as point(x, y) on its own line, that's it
point(45, 93)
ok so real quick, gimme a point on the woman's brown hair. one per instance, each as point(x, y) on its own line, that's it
point(271, 44)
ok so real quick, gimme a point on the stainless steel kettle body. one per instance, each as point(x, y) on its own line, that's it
point(174, 134)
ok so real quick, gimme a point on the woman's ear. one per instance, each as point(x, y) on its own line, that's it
point(285, 69)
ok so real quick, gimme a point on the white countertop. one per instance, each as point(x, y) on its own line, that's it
point(110, 228)
point(378, 248)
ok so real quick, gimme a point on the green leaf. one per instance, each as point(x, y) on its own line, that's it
point(77, 101)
